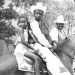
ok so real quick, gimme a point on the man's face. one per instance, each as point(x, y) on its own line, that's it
point(60, 26)
point(38, 14)
point(22, 22)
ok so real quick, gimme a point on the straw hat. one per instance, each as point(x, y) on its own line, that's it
point(39, 6)
point(60, 19)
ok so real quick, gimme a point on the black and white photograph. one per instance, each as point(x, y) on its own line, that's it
point(37, 37)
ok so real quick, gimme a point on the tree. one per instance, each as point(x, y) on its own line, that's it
point(6, 31)
point(31, 2)
point(1, 3)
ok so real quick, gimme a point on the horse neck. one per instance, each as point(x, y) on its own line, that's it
point(66, 60)
point(67, 54)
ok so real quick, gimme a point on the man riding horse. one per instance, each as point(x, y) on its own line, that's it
point(60, 38)
point(43, 44)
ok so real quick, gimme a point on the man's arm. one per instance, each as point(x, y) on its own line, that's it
point(38, 34)
point(48, 38)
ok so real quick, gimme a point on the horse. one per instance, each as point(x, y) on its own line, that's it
point(9, 66)
point(8, 62)
point(66, 51)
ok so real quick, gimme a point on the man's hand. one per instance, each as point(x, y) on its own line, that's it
point(54, 47)
point(37, 51)
point(54, 43)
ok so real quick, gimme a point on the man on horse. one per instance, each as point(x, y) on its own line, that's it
point(54, 64)
point(60, 31)
point(60, 38)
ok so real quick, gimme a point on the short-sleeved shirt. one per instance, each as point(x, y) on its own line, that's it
point(58, 35)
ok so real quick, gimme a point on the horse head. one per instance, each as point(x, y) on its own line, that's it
point(67, 50)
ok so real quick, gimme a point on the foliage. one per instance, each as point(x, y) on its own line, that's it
point(1, 14)
point(6, 31)
point(54, 8)
point(30, 2)
point(1, 3)
point(9, 14)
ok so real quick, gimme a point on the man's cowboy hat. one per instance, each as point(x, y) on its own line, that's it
point(60, 19)
point(39, 6)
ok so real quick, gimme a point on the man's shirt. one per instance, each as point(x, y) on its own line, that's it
point(58, 35)
point(54, 34)
point(38, 34)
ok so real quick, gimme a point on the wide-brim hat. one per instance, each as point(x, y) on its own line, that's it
point(39, 6)
point(60, 19)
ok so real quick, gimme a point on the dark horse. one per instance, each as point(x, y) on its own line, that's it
point(66, 51)
point(9, 66)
